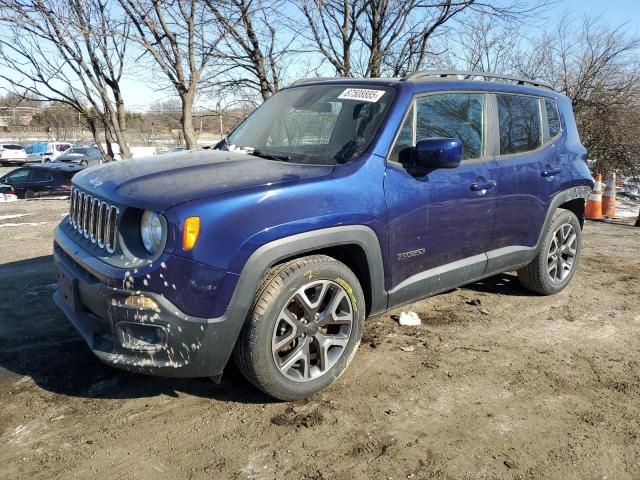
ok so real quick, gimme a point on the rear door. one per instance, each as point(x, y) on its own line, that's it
point(440, 221)
point(528, 168)
point(41, 181)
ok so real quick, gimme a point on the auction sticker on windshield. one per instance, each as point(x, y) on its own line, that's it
point(364, 94)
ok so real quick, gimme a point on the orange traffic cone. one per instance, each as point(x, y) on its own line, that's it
point(593, 210)
point(609, 197)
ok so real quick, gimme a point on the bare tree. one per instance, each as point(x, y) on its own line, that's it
point(372, 38)
point(332, 27)
point(178, 35)
point(485, 44)
point(598, 68)
point(71, 52)
point(251, 53)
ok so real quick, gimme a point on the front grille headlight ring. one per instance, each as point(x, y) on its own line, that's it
point(152, 231)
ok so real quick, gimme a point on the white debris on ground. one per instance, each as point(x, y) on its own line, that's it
point(627, 202)
point(409, 319)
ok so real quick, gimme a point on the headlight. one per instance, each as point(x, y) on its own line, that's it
point(151, 231)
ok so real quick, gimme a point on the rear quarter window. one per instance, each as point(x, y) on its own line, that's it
point(553, 117)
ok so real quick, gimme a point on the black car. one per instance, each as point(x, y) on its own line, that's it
point(81, 155)
point(41, 180)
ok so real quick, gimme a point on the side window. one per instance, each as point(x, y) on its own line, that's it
point(401, 150)
point(39, 176)
point(553, 117)
point(453, 115)
point(519, 119)
point(18, 176)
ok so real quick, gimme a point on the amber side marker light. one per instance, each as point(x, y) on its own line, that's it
point(190, 233)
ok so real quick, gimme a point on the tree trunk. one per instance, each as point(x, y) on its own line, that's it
point(190, 140)
point(94, 133)
point(109, 142)
point(121, 129)
point(638, 220)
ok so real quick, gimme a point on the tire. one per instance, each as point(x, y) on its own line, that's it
point(549, 274)
point(29, 194)
point(278, 328)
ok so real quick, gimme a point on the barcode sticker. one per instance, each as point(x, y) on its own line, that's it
point(363, 94)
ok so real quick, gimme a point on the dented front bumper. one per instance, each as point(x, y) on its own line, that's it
point(141, 331)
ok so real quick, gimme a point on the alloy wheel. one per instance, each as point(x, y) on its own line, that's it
point(312, 330)
point(562, 252)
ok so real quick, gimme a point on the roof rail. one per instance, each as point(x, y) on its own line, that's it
point(314, 79)
point(472, 75)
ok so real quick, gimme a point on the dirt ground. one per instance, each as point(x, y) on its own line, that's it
point(496, 383)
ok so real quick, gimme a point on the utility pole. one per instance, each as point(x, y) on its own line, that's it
point(220, 117)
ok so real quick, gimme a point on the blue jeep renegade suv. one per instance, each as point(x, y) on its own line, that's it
point(333, 201)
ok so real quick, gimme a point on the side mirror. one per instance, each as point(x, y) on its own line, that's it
point(431, 153)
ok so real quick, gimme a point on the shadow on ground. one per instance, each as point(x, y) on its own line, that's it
point(502, 284)
point(37, 341)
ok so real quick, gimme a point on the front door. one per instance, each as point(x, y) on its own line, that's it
point(440, 221)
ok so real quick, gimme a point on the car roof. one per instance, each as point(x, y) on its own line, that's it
point(58, 167)
point(428, 80)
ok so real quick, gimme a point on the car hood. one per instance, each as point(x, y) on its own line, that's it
point(160, 182)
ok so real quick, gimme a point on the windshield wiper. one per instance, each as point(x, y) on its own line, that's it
point(270, 156)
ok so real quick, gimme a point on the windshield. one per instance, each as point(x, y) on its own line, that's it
point(76, 150)
point(324, 124)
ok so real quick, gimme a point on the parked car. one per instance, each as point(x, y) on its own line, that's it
point(7, 193)
point(46, 151)
point(176, 150)
point(82, 155)
point(12, 154)
point(334, 201)
point(41, 180)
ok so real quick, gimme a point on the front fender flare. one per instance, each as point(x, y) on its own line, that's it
point(296, 245)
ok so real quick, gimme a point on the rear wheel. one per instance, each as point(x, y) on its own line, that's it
point(304, 328)
point(556, 262)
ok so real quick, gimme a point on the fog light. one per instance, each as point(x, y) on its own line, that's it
point(136, 336)
point(140, 301)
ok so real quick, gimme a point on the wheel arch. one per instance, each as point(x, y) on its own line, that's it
point(577, 206)
point(356, 246)
point(573, 200)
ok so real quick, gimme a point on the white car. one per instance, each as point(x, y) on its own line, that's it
point(7, 193)
point(12, 154)
point(46, 151)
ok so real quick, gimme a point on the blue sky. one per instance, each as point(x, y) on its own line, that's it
point(614, 12)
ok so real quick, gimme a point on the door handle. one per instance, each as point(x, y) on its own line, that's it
point(482, 186)
point(551, 172)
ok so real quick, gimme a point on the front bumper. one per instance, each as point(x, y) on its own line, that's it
point(157, 339)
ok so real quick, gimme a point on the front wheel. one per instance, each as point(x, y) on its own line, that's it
point(304, 329)
point(556, 262)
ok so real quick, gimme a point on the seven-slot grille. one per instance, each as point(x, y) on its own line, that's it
point(94, 219)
